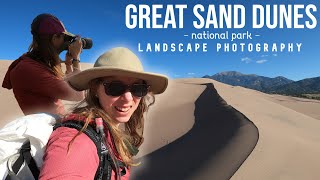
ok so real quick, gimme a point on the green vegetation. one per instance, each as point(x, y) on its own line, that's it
point(311, 96)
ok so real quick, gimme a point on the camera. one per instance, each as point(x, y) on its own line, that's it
point(86, 42)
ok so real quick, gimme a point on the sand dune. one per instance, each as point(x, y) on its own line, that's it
point(9, 108)
point(214, 148)
point(308, 107)
point(289, 140)
point(289, 136)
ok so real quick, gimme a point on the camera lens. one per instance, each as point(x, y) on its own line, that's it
point(86, 43)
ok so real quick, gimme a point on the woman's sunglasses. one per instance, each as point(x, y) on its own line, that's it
point(118, 88)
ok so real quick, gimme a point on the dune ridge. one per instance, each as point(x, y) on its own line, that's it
point(289, 140)
point(206, 150)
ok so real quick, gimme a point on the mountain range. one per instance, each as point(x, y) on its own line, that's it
point(276, 85)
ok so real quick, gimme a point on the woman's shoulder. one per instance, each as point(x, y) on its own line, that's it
point(64, 135)
point(69, 133)
point(68, 156)
point(28, 64)
point(28, 71)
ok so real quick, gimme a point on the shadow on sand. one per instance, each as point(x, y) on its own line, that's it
point(216, 146)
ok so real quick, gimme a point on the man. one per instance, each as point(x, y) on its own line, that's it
point(36, 77)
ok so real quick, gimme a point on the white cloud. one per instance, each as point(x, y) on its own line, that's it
point(264, 55)
point(191, 73)
point(261, 61)
point(246, 59)
point(275, 54)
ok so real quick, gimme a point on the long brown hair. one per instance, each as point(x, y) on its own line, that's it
point(42, 50)
point(133, 131)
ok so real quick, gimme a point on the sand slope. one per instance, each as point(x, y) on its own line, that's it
point(289, 139)
point(289, 136)
point(9, 108)
point(218, 142)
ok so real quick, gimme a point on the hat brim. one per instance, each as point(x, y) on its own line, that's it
point(69, 34)
point(80, 81)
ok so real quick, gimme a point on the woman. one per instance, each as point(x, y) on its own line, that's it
point(36, 77)
point(119, 92)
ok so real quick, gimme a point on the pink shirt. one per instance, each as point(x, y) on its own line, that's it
point(80, 163)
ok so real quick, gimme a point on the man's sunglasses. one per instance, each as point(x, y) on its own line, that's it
point(118, 88)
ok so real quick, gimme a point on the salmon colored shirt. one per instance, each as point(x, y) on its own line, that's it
point(36, 88)
point(80, 163)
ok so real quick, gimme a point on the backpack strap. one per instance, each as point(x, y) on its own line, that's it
point(25, 156)
point(105, 162)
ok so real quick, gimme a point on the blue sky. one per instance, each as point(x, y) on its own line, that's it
point(104, 22)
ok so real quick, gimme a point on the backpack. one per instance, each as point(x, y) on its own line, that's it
point(22, 144)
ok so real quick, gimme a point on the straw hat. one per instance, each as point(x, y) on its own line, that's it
point(118, 61)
